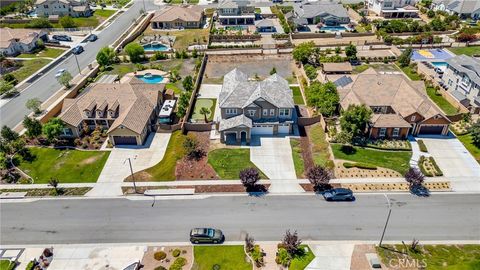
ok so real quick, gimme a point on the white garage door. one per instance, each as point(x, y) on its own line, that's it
point(262, 130)
point(284, 129)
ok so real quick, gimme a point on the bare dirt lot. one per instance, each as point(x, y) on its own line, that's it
point(261, 65)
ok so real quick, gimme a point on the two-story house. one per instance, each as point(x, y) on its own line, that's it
point(128, 111)
point(393, 8)
point(72, 8)
point(330, 14)
point(251, 107)
point(462, 79)
point(400, 107)
point(236, 12)
point(462, 8)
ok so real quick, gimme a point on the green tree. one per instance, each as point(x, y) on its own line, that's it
point(205, 112)
point(183, 102)
point(188, 83)
point(10, 78)
point(404, 59)
point(106, 56)
point(431, 13)
point(33, 126)
point(311, 71)
point(135, 51)
point(67, 22)
point(5, 86)
point(351, 52)
point(65, 79)
point(39, 23)
point(324, 97)
point(53, 128)
point(8, 134)
point(3, 161)
point(355, 120)
point(273, 71)
point(302, 52)
point(34, 105)
point(475, 133)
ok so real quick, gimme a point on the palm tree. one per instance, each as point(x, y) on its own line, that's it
point(54, 183)
point(205, 111)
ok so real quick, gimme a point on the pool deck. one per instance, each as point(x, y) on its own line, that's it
point(129, 76)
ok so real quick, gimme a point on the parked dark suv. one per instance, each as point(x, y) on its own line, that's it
point(62, 37)
point(338, 194)
point(206, 235)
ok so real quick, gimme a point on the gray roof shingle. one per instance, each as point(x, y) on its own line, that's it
point(467, 65)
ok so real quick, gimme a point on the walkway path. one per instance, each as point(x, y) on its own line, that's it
point(331, 257)
point(117, 168)
point(269, 259)
point(416, 153)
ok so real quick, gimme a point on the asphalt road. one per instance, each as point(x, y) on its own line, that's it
point(13, 112)
point(440, 217)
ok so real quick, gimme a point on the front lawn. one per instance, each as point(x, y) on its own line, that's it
point(226, 257)
point(395, 160)
point(298, 162)
point(207, 103)
point(176, 89)
point(165, 169)
point(68, 166)
point(47, 52)
point(29, 67)
point(470, 51)
point(299, 262)
point(458, 257)
point(6, 265)
point(228, 162)
point(411, 73)
point(297, 95)
point(104, 13)
point(468, 143)
point(441, 102)
point(320, 153)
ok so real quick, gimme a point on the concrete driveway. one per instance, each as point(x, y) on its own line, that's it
point(456, 163)
point(117, 168)
point(331, 257)
point(273, 156)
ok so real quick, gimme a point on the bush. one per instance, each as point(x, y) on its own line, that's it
point(176, 252)
point(359, 165)
point(283, 258)
point(249, 177)
point(437, 169)
point(178, 264)
point(39, 23)
point(422, 146)
point(159, 255)
point(160, 268)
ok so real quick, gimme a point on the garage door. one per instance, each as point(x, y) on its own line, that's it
point(431, 130)
point(130, 140)
point(284, 129)
point(262, 130)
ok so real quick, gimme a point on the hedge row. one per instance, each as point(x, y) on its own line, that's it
point(359, 165)
point(422, 146)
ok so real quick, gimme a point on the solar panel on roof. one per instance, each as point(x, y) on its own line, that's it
point(343, 81)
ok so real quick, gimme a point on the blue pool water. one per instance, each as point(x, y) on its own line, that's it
point(440, 64)
point(155, 47)
point(150, 78)
point(334, 28)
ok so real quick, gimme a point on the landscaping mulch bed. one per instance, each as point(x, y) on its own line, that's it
point(150, 262)
point(342, 172)
point(359, 258)
point(187, 169)
point(198, 189)
point(306, 148)
point(44, 192)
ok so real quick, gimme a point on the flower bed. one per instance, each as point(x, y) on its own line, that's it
point(460, 127)
point(429, 167)
point(422, 146)
point(359, 165)
point(390, 144)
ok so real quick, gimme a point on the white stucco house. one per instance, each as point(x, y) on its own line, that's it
point(16, 41)
point(462, 8)
point(72, 8)
point(393, 8)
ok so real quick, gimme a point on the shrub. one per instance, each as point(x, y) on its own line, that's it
point(414, 177)
point(176, 252)
point(437, 169)
point(319, 177)
point(178, 264)
point(160, 268)
point(359, 165)
point(291, 242)
point(422, 146)
point(159, 255)
point(283, 258)
point(216, 267)
point(249, 177)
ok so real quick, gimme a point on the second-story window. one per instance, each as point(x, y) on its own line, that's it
point(272, 112)
point(231, 111)
point(251, 113)
point(265, 112)
point(283, 112)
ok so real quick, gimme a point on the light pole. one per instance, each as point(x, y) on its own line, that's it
point(131, 172)
point(78, 65)
point(388, 218)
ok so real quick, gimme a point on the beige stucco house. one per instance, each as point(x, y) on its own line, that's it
point(178, 17)
point(127, 110)
point(16, 41)
point(250, 107)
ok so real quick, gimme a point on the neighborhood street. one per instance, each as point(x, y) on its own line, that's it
point(71, 221)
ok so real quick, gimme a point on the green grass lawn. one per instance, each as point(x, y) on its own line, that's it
point(395, 160)
point(360, 69)
point(207, 103)
point(165, 169)
point(360, 29)
point(185, 37)
point(176, 88)
point(446, 107)
point(298, 162)
point(468, 143)
point(453, 257)
point(47, 52)
point(472, 50)
point(297, 95)
point(411, 73)
point(193, 2)
point(119, 69)
point(228, 162)
point(68, 166)
point(299, 262)
point(29, 67)
point(105, 13)
point(320, 153)
point(6, 265)
point(227, 257)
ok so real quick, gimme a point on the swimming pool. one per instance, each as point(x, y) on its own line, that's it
point(334, 28)
point(149, 78)
point(155, 47)
point(439, 64)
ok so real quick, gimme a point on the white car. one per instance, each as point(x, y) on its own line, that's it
point(59, 72)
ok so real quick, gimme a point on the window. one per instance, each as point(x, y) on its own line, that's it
point(251, 112)
point(383, 131)
point(413, 118)
point(283, 112)
point(265, 112)
point(231, 111)
point(396, 132)
point(387, 4)
point(67, 132)
point(272, 112)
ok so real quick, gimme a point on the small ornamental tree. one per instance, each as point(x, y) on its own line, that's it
point(205, 112)
point(53, 128)
point(54, 183)
point(135, 51)
point(249, 177)
point(34, 105)
point(65, 79)
point(319, 177)
point(273, 71)
point(106, 56)
point(192, 148)
point(302, 51)
point(8, 134)
point(33, 126)
point(351, 52)
point(414, 177)
point(355, 119)
point(249, 243)
point(67, 22)
point(187, 83)
point(324, 97)
point(404, 59)
point(291, 242)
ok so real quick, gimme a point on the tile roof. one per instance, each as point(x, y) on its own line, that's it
point(184, 13)
point(135, 103)
point(389, 120)
point(25, 36)
point(235, 122)
point(310, 10)
point(238, 92)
